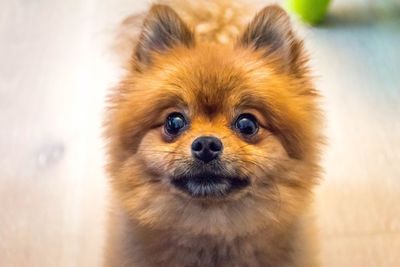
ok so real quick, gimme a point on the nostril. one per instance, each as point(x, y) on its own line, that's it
point(197, 146)
point(215, 145)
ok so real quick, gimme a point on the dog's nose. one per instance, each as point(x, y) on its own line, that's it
point(206, 148)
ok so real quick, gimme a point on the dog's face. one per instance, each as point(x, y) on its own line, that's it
point(204, 136)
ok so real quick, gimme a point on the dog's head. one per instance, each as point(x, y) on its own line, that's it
point(214, 138)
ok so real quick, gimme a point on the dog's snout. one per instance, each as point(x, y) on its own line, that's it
point(206, 148)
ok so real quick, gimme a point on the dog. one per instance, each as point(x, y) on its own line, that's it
point(214, 139)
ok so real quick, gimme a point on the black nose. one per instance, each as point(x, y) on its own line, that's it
point(206, 148)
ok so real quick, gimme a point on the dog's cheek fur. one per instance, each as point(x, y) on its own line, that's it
point(157, 156)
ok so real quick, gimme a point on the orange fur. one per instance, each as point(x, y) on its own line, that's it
point(175, 68)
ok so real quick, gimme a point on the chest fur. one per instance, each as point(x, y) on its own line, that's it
point(163, 249)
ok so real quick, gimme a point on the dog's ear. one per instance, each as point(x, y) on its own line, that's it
point(162, 29)
point(270, 31)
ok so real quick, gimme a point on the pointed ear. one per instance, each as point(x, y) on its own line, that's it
point(270, 31)
point(162, 29)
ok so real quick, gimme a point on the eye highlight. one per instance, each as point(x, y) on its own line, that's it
point(246, 124)
point(174, 123)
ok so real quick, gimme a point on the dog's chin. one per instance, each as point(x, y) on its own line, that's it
point(209, 185)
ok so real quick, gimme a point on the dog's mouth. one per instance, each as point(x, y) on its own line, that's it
point(209, 185)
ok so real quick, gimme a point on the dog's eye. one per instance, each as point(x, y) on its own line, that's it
point(246, 124)
point(175, 122)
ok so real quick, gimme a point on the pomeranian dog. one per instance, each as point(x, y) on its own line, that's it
point(213, 139)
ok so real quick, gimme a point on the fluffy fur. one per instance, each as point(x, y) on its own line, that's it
point(212, 66)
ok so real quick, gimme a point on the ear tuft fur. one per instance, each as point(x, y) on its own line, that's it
point(162, 29)
point(271, 31)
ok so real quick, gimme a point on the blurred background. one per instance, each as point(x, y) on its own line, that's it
point(55, 70)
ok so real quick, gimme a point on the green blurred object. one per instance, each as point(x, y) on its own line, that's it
point(309, 11)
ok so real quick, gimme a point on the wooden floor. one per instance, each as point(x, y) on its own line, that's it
point(55, 69)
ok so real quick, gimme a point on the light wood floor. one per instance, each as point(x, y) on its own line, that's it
point(55, 69)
